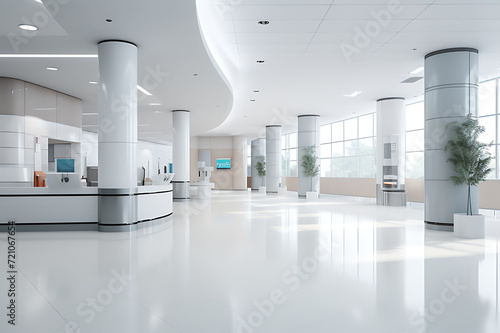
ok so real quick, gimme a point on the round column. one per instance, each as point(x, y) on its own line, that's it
point(391, 145)
point(117, 135)
point(273, 158)
point(451, 90)
point(180, 152)
point(258, 154)
point(308, 135)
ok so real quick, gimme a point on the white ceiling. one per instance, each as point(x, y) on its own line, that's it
point(305, 70)
point(168, 39)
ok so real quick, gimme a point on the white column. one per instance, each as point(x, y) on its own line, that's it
point(391, 145)
point(239, 163)
point(258, 154)
point(273, 158)
point(181, 154)
point(117, 135)
point(308, 135)
point(451, 90)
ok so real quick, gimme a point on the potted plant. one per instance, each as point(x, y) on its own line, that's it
point(260, 166)
point(310, 167)
point(470, 159)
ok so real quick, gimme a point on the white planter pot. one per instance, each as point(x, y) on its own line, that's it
point(262, 189)
point(468, 226)
point(312, 195)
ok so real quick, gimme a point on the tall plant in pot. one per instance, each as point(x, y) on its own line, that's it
point(260, 166)
point(310, 163)
point(470, 159)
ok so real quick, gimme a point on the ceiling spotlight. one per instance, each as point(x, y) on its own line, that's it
point(28, 27)
point(154, 104)
point(256, 91)
point(263, 22)
point(260, 61)
point(109, 20)
point(52, 68)
point(158, 112)
point(195, 74)
point(252, 100)
point(93, 82)
point(414, 49)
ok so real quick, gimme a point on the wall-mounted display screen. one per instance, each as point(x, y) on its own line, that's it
point(65, 165)
point(223, 163)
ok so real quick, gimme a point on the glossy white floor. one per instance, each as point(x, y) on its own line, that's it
point(246, 262)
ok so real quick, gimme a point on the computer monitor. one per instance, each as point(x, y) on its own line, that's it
point(65, 165)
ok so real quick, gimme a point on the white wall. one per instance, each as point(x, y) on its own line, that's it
point(146, 152)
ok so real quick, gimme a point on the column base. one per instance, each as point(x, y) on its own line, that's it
point(117, 209)
point(438, 226)
point(181, 189)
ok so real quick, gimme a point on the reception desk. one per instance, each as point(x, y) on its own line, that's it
point(74, 209)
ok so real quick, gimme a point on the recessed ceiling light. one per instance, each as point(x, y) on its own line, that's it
point(144, 91)
point(28, 27)
point(7, 55)
point(158, 112)
point(39, 1)
point(154, 104)
point(414, 49)
point(93, 82)
point(252, 100)
point(263, 22)
point(89, 114)
point(354, 94)
point(52, 68)
point(195, 74)
point(260, 61)
point(109, 20)
point(418, 70)
point(256, 91)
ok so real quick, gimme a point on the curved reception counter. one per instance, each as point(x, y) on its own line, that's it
point(46, 209)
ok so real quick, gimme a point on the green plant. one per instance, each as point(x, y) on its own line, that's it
point(470, 157)
point(310, 163)
point(260, 166)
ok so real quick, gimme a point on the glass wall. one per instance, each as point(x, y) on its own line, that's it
point(347, 148)
point(415, 140)
point(289, 155)
point(490, 119)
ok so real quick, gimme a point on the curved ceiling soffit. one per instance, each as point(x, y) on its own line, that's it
point(221, 51)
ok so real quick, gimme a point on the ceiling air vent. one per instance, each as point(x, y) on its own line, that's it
point(412, 79)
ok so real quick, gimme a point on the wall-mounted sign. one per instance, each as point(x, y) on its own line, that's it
point(223, 163)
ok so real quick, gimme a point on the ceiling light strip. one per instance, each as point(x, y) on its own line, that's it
point(6, 55)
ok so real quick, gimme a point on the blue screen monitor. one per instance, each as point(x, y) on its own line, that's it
point(66, 165)
point(223, 163)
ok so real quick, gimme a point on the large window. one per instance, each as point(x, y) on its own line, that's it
point(489, 117)
point(415, 140)
point(289, 155)
point(347, 148)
